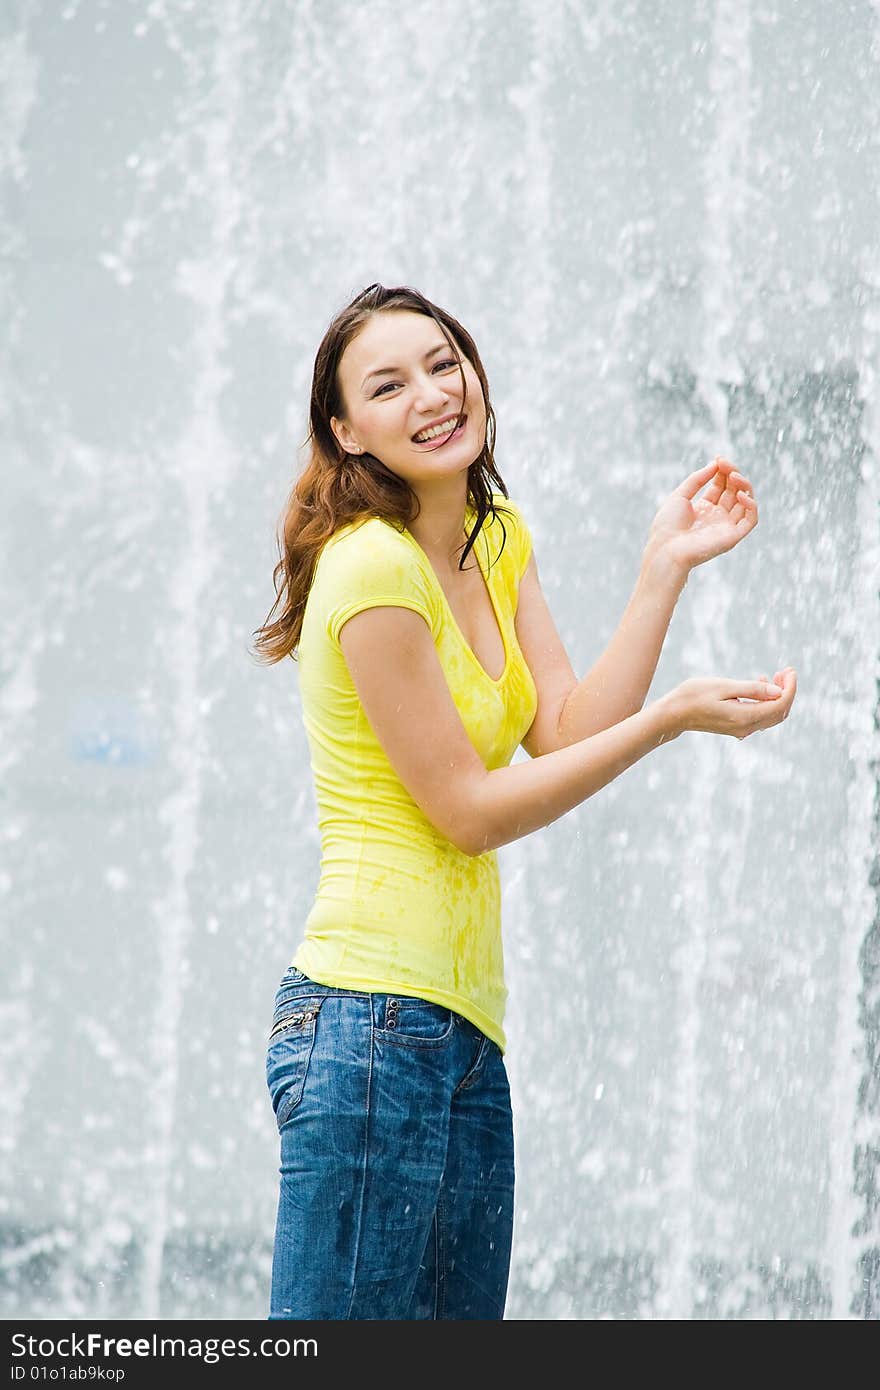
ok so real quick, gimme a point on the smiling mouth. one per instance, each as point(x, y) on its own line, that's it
point(440, 433)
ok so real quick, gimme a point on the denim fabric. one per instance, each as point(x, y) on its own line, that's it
point(396, 1196)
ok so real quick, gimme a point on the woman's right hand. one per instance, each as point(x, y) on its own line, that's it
point(713, 705)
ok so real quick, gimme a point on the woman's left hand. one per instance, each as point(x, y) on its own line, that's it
point(689, 531)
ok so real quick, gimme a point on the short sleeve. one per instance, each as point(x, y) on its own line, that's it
point(518, 533)
point(372, 566)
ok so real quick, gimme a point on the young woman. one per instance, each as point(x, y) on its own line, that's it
point(427, 654)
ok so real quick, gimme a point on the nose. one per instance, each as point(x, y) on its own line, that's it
point(430, 393)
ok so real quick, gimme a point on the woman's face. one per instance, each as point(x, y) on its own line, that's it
point(397, 378)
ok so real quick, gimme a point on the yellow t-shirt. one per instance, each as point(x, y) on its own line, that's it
point(398, 908)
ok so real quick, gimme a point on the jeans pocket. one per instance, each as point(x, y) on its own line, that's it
point(289, 1052)
point(405, 1020)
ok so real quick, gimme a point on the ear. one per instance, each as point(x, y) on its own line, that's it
point(345, 436)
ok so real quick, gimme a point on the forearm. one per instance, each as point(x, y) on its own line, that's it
point(512, 801)
point(616, 686)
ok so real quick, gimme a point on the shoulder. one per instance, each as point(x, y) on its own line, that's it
point(515, 535)
point(509, 512)
point(370, 542)
point(366, 564)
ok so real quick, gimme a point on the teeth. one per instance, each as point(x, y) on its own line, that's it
point(425, 435)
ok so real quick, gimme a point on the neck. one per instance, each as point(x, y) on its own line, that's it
point(439, 526)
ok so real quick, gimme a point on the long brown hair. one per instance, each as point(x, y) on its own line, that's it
point(336, 487)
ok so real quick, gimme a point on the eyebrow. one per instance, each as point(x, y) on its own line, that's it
point(390, 371)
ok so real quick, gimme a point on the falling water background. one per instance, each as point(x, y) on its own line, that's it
point(661, 225)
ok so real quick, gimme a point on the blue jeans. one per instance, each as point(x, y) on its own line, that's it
point(396, 1196)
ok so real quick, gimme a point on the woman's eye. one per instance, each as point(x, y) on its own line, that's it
point(444, 366)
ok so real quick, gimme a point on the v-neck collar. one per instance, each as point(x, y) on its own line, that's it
point(475, 549)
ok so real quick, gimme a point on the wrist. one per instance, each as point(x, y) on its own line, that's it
point(670, 717)
point(663, 570)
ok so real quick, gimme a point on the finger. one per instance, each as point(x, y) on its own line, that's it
point(769, 717)
point(722, 484)
point(749, 516)
point(727, 500)
point(735, 484)
point(741, 480)
point(737, 511)
point(754, 690)
point(694, 481)
point(783, 678)
point(743, 498)
point(715, 491)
